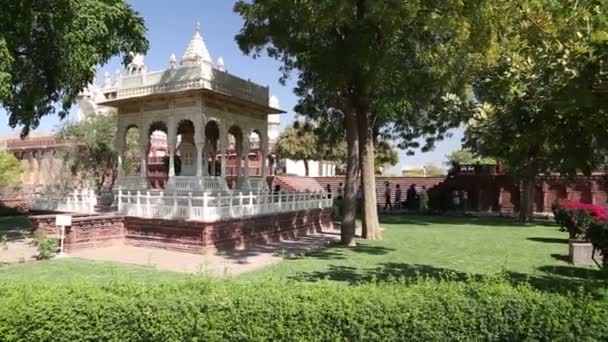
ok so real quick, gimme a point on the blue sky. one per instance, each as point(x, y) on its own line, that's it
point(170, 26)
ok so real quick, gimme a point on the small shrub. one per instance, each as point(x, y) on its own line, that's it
point(25, 233)
point(47, 247)
point(4, 242)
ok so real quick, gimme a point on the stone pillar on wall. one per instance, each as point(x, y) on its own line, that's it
point(546, 197)
point(505, 200)
point(595, 192)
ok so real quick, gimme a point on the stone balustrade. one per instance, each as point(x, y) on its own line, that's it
point(82, 202)
point(212, 207)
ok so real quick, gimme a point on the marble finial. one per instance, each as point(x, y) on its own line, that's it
point(172, 60)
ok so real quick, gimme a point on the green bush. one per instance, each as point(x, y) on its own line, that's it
point(206, 310)
point(46, 246)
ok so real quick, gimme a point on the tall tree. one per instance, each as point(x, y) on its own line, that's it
point(542, 106)
point(298, 143)
point(49, 51)
point(93, 157)
point(372, 57)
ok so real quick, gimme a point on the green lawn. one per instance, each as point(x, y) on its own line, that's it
point(412, 246)
point(439, 247)
point(65, 271)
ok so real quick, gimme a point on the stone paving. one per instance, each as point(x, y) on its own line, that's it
point(225, 263)
point(17, 249)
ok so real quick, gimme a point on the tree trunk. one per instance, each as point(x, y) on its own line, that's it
point(306, 172)
point(368, 174)
point(349, 206)
point(526, 199)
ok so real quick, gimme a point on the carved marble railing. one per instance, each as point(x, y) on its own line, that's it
point(196, 184)
point(222, 82)
point(82, 202)
point(211, 207)
point(133, 183)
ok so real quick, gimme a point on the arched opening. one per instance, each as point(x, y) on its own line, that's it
point(132, 161)
point(157, 155)
point(212, 136)
point(235, 151)
point(186, 149)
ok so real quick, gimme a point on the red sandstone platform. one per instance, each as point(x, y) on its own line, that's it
point(101, 231)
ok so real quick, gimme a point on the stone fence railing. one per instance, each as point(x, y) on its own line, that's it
point(211, 207)
point(82, 202)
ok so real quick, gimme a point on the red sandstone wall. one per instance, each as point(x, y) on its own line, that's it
point(85, 232)
point(180, 235)
point(194, 236)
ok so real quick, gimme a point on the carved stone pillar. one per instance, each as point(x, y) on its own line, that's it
point(246, 149)
point(171, 141)
point(264, 157)
point(143, 151)
point(223, 151)
point(199, 158)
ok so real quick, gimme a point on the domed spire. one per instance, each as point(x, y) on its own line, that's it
point(196, 52)
point(220, 64)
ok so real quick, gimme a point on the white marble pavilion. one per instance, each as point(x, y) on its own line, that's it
point(204, 112)
point(209, 109)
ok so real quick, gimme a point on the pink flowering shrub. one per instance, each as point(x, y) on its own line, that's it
point(594, 210)
point(576, 217)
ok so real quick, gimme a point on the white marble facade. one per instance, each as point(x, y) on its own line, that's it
point(211, 111)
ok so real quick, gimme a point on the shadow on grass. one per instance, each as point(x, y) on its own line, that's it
point(554, 279)
point(561, 257)
point(337, 251)
point(548, 240)
point(426, 220)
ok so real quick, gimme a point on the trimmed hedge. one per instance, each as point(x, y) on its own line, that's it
point(206, 310)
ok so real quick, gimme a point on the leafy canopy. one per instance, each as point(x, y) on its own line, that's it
point(543, 104)
point(49, 51)
point(93, 157)
point(464, 157)
point(400, 57)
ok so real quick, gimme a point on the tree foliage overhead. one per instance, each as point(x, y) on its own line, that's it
point(542, 105)
point(464, 157)
point(49, 51)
